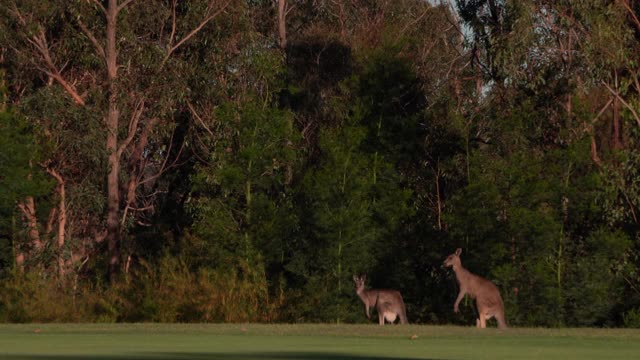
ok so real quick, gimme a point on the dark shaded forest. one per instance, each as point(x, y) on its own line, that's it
point(240, 160)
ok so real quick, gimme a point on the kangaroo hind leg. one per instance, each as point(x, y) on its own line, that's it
point(483, 320)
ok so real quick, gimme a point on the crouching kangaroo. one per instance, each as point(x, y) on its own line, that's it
point(388, 303)
point(487, 295)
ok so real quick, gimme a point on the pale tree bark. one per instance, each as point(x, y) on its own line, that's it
point(567, 58)
point(616, 131)
point(135, 169)
point(53, 215)
point(105, 44)
point(342, 17)
point(114, 147)
point(590, 130)
point(629, 9)
point(211, 13)
point(619, 97)
point(282, 23)
point(28, 209)
point(454, 20)
point(62, 221)
point(44, 62)
point(19, 255)
point(112, 121)
point(616, 128)
point(42, 59)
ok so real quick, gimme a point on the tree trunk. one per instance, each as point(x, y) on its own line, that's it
point(615, 131)
point(28, 208)
point(282, 25)
point(113, 115)
point(594, 151)
point(616, 137)
point(19, 260)
point(18, 254)
point(62, 221)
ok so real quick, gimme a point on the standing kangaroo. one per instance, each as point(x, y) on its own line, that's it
point(487, 295)
point(388, 303)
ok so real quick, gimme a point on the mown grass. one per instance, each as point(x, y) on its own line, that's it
point(309, 342)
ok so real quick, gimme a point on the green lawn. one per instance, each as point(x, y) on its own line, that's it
point(309, 342)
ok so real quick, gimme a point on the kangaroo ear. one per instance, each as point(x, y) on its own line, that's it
point(458, 251)
point(355, 277)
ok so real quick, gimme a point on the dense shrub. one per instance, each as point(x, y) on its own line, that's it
point(164, 292)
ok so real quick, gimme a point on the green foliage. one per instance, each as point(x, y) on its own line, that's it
point(354, 199)
point(383, 137)
point(167, 291)
point(631, 319)
point(21, 173)
point(242, 207)
point(597, 274)
point(525, 218)
point(21, 176)
point(32, 298)
point(170, 291)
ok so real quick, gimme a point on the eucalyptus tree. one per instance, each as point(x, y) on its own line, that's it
point(552, 90)
point(119, 71)
point(19, 179)
point(361, 77)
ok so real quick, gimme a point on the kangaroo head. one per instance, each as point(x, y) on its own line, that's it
point(358, 282)
point(453, 259)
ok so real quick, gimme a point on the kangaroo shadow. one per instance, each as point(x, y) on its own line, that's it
point(213, 356)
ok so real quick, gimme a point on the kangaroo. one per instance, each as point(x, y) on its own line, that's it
point(388, 303)
point(487, 295)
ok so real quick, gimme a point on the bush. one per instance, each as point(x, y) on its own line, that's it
point(631, 318)
point(164, 292)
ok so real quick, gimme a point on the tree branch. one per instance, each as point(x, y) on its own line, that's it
point(289, 9)
point(133, 127)
point(604, 108)
point(137, 170)
point(636, 21)
point(164, 166)
point(99, 4)
point(23, 209)
point(39, 42)
point(62, 218)
point(148, 207)
point(92, 38)
point(193, 32)
point(173, 22)
point(195, 115)
point(124, 4)
point(415, 21)
point(616, 94)
point(52, 217)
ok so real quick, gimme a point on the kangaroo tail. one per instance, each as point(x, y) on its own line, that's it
point(502, 322)
point(403, 315)
point(403, 318)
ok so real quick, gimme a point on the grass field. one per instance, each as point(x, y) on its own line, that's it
point(309, 342)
